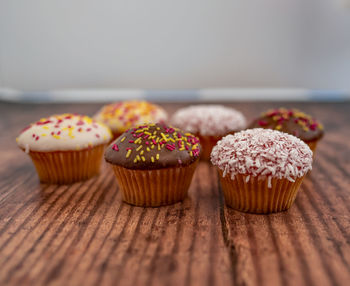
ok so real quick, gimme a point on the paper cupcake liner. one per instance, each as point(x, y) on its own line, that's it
point(152, 188)
point(255, 196)
point(116, 134)
point(312, 145)
point(208, 143)
point(65, 167)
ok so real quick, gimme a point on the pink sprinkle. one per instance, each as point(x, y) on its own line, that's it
point(154, 142)
point(88, 129)
point(131, 141)
point(33, 135)
point(179, 135)
point(179, 143)
point(59, 132)
point(147, 143)
point(186, 147)
point(36, 138)
point(313, 126)
point(115, 147)
point(97, 135)
point(43, 122)
point(262, 123)
point(52, 133)
point(169, 147)
point(80, 122)
point(127, 149)
point(145, 137)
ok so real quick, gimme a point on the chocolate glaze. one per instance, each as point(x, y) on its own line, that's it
point(170, 152)
point(290, 121)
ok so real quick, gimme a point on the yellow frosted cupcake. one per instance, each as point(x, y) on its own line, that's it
point(120, 116)
point(65, 148)
point(260, 169)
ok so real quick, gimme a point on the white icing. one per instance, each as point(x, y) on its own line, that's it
point(121, 116)
point(74, 132)
point(262, 152)
point(209, 119)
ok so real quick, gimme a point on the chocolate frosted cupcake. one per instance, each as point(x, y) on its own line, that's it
point(154, 164)
point(65, 148)
point(261, 170)
point(210, 123)
point(120, 116)
point(291, 121)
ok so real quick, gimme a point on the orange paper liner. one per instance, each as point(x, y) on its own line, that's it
point(65, 167)
point(152, 188)
point(254, 196)
point(312, 145)
point(208, 142)
point(116, 134)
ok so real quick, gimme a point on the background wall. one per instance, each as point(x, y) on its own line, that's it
point(174, 44)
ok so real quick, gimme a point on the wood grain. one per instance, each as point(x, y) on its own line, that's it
point(82, 234)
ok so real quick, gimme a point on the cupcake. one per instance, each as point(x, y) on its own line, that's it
point(291, 121)
point(65, 148)
point(261, 170)
point(154, 164)
point(210, 123)
point(121, 116)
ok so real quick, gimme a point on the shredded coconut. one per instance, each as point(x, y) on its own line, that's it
point(209, 119)
point(262, 152)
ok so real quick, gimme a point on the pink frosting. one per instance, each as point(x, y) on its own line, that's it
point(262, 152)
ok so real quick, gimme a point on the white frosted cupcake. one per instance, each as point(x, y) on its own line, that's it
point(210, 123)
point(260, 169)
point(65, 148)
point(121, 116)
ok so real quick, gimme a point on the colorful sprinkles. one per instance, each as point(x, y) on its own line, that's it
point(282, 115)
point(63, 128)
point(123, 115)
point(153, 137)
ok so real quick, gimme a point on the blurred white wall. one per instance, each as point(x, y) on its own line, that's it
point(50, 44)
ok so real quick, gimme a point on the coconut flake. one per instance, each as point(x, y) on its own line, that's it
point(263, 152)
point(209, 119)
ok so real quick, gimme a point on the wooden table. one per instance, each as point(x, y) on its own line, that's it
point(82, 234)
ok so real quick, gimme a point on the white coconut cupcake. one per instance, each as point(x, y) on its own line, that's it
point(261, 170)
